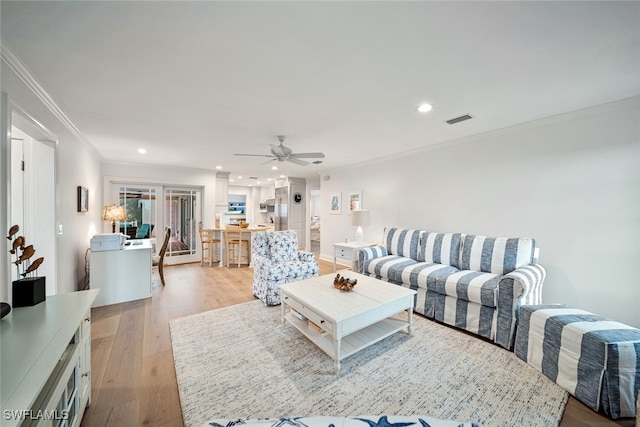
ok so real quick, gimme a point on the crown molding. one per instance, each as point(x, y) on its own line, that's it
point(15, 64)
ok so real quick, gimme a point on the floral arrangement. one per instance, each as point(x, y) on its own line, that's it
point(23, 260)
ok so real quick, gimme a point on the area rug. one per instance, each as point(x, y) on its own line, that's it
point(240, 361)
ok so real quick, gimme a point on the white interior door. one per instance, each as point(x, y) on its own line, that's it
point(33, 204)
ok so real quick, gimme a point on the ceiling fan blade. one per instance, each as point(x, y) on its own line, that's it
point(269, 161)
point(307, 155)
point(254, 155)
point(297, 161)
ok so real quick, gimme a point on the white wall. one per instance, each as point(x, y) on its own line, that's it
point(572, 182)
point(78, 164)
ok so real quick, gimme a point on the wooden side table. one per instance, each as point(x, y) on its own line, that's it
point(348, 251)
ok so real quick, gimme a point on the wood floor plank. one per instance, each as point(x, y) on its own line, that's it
point(133, 375)
point(156, 328)
point(121, 382)
point(159, 403)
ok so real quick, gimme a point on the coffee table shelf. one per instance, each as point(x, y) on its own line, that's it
point(351, 343)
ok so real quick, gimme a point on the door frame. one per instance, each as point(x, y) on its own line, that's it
point(112, 186)
point(15, 116)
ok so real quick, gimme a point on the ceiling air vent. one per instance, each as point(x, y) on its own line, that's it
point(317, 162)
point(459, 119)
point(253, 177)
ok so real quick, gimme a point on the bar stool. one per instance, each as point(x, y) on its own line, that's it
point(207, 242)
point(235, 243)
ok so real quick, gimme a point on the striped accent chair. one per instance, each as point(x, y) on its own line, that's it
point(595, 359)
point(475, 283)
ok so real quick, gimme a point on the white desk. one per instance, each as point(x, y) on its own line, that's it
point(349, 251)
point(123, 275)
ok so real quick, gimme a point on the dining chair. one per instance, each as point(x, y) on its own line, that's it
point(208, 245)
point(159, 259)
point(235, 243)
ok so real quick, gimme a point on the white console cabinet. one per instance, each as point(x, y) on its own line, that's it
point(45, 361)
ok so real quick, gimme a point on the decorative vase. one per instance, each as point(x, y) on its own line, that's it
point(4, 309)
point(29, 291)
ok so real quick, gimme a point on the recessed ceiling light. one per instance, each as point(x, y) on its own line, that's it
point(218, 167)
point(282, 176)
point(239, 177)
point(142, 151)
point(275, 168)
point(423, 108)
point(230, 180)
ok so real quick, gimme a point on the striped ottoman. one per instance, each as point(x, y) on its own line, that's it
point(595, 359)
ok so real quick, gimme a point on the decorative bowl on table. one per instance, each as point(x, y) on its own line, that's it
point(243, 224)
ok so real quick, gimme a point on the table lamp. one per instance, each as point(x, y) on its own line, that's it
point(359, 219)
point(113, 213)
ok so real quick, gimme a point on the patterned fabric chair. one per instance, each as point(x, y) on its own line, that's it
point(277, 260)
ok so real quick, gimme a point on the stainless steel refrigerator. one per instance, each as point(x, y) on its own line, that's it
point(280, 210)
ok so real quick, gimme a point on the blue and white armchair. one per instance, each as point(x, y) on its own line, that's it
point(277, 260)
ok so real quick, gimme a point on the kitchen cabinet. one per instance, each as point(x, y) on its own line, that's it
point(222, 191)
point(267, 192)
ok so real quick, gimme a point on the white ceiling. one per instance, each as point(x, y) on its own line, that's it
point(195, 82)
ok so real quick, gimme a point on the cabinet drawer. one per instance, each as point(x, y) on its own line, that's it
point(309, 314)
point(344, 253)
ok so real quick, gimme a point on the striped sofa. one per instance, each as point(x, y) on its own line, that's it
point(475, 283)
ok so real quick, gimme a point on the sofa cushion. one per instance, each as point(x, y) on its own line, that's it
point(289, 271)
point(283, 245)
point(473, 286)
point(497, 255)
point(382, 267)
point(440, 248)
point(402, 242)
point(423, 274)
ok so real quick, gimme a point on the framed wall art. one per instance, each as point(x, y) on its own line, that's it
point(83, 199)
point(335, 204)
point(355, 201)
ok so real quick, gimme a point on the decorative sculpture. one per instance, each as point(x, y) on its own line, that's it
point(30, 290)
point(344, 283)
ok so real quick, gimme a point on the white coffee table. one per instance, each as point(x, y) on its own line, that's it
point(346, 322)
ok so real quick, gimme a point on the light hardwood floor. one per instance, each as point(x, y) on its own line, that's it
point(133, 377)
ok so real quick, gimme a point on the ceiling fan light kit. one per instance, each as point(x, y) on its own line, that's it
point(283, 153)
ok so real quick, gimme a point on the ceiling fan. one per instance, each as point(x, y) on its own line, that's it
point(282, 153)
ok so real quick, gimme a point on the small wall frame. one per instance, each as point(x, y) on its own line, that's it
point(83, 199)
point(355, 201)
point(335, 204)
